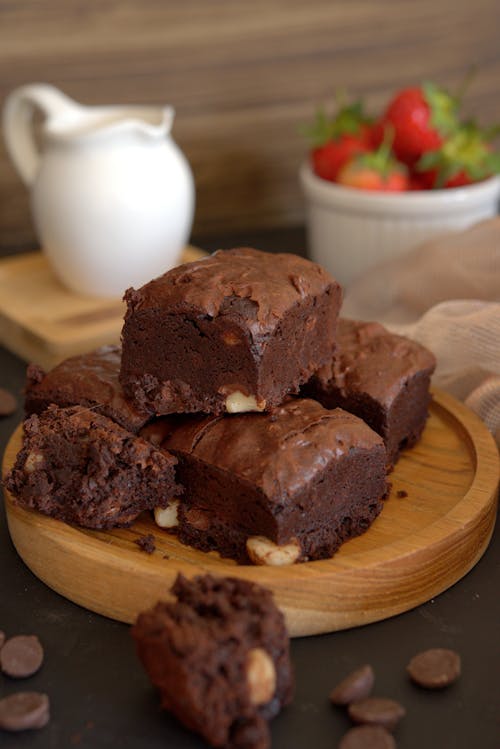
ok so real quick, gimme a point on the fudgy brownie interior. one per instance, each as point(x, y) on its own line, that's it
point(81, 467)
point(220, 657)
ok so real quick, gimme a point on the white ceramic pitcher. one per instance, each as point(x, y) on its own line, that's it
point(112, 194)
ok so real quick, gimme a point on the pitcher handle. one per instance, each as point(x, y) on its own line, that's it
point(18, 123)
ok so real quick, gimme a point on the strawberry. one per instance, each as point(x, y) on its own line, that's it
point(337, 139)
point(377, 170)
point(422, 117)
point(465, 157)
point(328, 159)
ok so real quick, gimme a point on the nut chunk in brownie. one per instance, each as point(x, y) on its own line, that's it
point(81, 467)
point(234, 332)
point(382, 378)
point(220, 657)
point(86, 380)
point(275, 488)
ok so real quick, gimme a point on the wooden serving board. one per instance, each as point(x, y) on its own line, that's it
point(418, 547)
point(44, 322)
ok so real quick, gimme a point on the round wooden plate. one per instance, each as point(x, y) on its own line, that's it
point(418, 547)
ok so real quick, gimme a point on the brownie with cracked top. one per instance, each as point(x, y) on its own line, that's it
point(86, 380)
point(81, 467)
point(381, 377)
point(273, 488)
point(234, 332)
point(220, 657)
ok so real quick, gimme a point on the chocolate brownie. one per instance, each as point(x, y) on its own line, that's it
point(382, 378)
point(220, 657)
point(274, 488)
point(234, 332)
point(83, 468)
point(86, 380)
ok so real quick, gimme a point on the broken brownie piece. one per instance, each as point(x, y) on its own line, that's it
point(83, 468)
point(273, 488)
point(234, 332)
point(382, 378)
point(86, 380)
point(220, 657)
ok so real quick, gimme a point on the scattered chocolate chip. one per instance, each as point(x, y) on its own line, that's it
point(2, 638)
point(8, 404)
point(378, 711)
point(401, 493)
point(354, 687)
point(24, 710)
point(21, 656)
point(367, 737)
point(165, 556)
point(435, 668)
point(146, 543)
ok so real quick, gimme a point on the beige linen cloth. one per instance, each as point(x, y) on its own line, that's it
point(446, 295)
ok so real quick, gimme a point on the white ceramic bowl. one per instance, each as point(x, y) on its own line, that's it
point(351, 231)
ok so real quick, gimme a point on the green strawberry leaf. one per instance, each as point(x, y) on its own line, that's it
point(320, 131)
point(468, 151)
point(443, 108)
point(382, 160)
point(348, 120)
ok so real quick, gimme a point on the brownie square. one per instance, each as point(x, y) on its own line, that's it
point(83, 468)
point(87, 380)
point(274, 488)
point(382, 378)
point(234, 332)
point(220, 657)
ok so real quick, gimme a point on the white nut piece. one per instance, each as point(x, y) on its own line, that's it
point(239, 403)
point(34, 461)
point(261, 676)
point(167, 517)
point(263, 551)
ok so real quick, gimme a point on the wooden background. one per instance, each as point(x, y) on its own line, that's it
point(242, 75)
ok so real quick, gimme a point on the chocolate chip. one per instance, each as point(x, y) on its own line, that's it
point(367, 737)
point(435, 668)
point(24, 710)
point(21, 656)
point(378, 711)
point(2, 638)
point(401, 493)
point(354, 687)
point(8, 403)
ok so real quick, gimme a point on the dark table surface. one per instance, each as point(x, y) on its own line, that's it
point(101, 698)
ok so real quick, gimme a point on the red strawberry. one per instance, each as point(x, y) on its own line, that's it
point(465, 157)
point(377, 170)
point(336, 140)
point(422, 118)
point(327, 160)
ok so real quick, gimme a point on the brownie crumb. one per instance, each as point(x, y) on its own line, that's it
point(8, 404)
point(146, 543)
point(401, 493)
